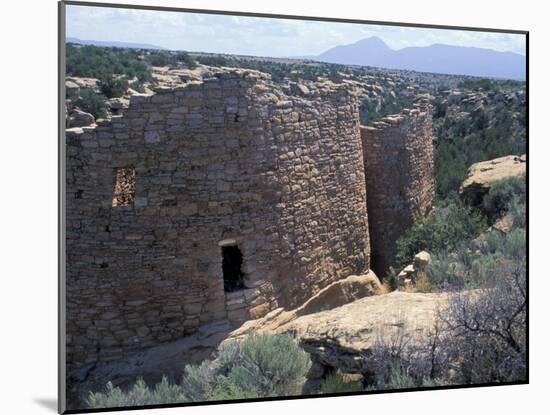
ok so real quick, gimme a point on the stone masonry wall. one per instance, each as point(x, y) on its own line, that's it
point(235, 159)
point(398, 155)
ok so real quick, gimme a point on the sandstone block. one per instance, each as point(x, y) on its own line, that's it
point(152, 137)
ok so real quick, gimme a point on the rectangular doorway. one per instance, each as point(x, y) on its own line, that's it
point(232, 261)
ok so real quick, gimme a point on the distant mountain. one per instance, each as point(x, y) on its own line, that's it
point(113, 44)
point(438, 58)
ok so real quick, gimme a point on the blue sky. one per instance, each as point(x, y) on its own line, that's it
point(259, 36)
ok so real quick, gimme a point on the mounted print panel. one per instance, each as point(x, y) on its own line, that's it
point(260, 206)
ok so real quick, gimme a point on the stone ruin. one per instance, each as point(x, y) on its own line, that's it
point(398, 155)
point(221, 199)
point(224, 199)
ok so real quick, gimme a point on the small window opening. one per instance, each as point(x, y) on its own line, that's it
point(233, 276)
point(236, 118)
point(78, 194)
point(125, 187)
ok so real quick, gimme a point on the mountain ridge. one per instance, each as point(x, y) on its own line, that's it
point(113, 44)
point(436, 58)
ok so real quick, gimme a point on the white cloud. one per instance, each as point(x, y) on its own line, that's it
point(259, 36)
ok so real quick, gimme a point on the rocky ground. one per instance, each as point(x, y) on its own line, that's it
point(336, 327)
point(340, 338)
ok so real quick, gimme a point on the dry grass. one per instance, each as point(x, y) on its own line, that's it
point(421, 285)
point(383, 289)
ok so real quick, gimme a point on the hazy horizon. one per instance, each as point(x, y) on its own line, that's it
point(250, 35)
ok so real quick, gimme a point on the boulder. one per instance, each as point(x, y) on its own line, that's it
point(72, 90)
point(334, 295)
point(117, 105)
point(422, 260)
point(84, 83)
point(481, 175)
point(304, 90)
point(343, 337)
point(342, 292)
point(412, 272)
point(504, 224)
point(78, 118)
point(407, 274)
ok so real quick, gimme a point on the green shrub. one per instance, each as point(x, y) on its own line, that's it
point(479, 263)
point(392, 280)
point(454, 155)
point(275, 365)
point(101, 62)
point(238, 385)
point(450, 225)
point(369, 113)
point(496, 130)
point(393, 376)
point(482, 83)
point(511, 245)
point(399, 379)
point(503, 194)
point(431, 383)
point(335, 383)
point(483, 270)
point(197, 381)
point(186, 60)
point(446, 269)
point(138, 395)
point(172, 59)
point(517, 210)
point(93, 103)
point(113, 88)
point(262, 365)
point(213, 60)
point(136, 86)
point(158, 59)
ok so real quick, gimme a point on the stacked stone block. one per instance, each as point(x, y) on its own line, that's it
point(398, 156)
point(277, 170)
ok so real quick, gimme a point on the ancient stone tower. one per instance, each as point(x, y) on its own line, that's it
point(398, 155)
point(221, 199)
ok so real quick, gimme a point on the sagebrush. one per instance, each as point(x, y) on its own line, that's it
point(262, 365)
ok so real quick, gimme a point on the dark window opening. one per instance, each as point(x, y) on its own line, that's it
point(78, 194)
point(169, 201)
point(233, 276)
point(236, 118)
point(125, 187)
